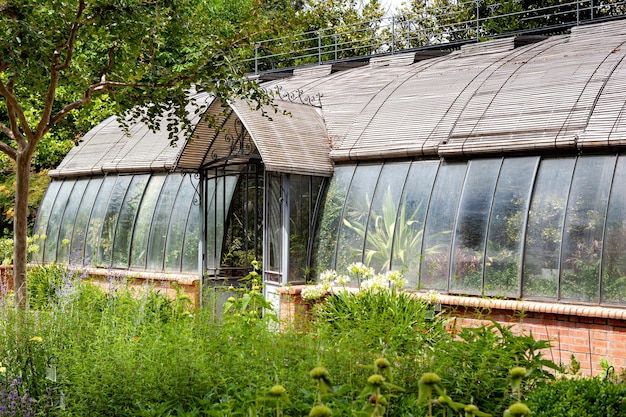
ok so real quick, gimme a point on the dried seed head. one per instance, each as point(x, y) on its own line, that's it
point(377, 399)
point(430, 379)
point(319, 373)
point(382, 363)
point(519, 410)
point(320, 411)
point(277, 391)
point(517, 373)
point(376, 380)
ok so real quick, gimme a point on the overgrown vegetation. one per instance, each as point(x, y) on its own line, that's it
point(85, 352)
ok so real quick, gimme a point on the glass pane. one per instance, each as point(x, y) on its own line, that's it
point(407, 241)
point(192, 239)
point(54, 222)
point(506, 228)
point(614, 247)
point(105, 248)
point(544, 228)
point(584, 227)
point(435, 267)
point(274, 222)
point(160, 225)
point(330, 215)
point(356, 212)
point(77, 246)
point(302, 194)
point(242, 240)
point(43, 217)
point(143, 223)
point(96, 221)
point(178, 223)
point(471, 226)
point(382, 217)
point(69, 220)
point(219, 201)
point(126, 220)
point(212, 186)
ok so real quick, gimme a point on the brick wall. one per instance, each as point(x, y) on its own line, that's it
point(6, 278)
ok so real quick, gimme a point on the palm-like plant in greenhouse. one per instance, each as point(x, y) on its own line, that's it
point(392, 233)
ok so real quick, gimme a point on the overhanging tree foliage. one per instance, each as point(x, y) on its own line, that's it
point(56, 56)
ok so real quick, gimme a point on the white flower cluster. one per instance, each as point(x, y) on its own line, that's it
point(387, 281)
point(312, 292)
point(370, 282)
point(359, 270)
point(328, 279)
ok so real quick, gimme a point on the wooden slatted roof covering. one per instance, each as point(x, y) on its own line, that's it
point(560, 92)
point(108, 149)
point(295, 142)
point(214, 143)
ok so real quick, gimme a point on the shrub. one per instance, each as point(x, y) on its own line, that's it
point(379, 320)
point(589, 397)
point(475, 365)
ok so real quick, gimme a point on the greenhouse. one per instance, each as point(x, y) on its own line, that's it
point(494, 169)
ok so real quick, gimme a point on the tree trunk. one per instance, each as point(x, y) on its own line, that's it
point(20, 229)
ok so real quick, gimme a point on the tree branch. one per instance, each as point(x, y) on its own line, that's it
point(14, 109)
point(72, 39)
point(55, 74)
point(4, 147)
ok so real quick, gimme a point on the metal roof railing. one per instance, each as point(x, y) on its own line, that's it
point(433, 27)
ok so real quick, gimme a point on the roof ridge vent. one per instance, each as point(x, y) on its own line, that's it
point(524, 40)
point(430, 53)
point(488, 47)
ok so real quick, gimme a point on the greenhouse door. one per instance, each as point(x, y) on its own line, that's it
point(290, 201)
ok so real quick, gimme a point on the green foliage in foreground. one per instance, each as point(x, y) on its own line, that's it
point(87, 353)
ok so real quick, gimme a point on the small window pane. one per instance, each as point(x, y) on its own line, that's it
point(545, 226)
point(69, 220)
point(302, 198)
point(160, 225)
point(118, 194)
point(435, 267)
point(584, 227)
point(94, 230)
point(219, 198)
point(126, 221)
point(508, 217)
point(54, 222)
point(330, 215)
point(178, 223)
point(409, 229)
point(358, 202)
point(192, 240)
point(77, 246)
point(143, 223)
point(274, 223)
point(382, 217)
point(614, 247)
point(43, 216)
point(471, 226)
